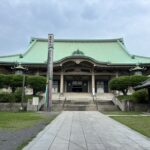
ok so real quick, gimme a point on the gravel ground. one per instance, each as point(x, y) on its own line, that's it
point(10, 140)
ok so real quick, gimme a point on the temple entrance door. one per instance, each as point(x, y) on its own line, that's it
point(77, 86)
point(100, 87)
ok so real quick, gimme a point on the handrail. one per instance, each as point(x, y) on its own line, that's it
point(42, 101)
point(64, 103)
point(95, 101)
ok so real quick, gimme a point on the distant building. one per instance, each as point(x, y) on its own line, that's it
point(79, 65)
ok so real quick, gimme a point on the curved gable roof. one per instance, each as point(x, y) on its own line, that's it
point(110, 50)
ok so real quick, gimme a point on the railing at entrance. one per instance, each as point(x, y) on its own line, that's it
point(64, 103)
point(95, 101)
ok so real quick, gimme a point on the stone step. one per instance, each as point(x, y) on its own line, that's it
point(80, 108)
point(104, 102)
point(108, 108)
point(79, 105)
point(84, 101)
point(78, 102)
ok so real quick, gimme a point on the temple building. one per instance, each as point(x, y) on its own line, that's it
point(79, 65)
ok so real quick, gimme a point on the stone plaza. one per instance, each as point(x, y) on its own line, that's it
point(87, 130)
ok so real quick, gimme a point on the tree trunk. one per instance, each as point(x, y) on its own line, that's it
point(13, 89)
point(125, 91)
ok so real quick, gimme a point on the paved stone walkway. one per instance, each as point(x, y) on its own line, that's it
point(87, 131)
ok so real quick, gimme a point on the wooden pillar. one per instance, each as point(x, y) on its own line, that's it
point(61, 82)
point(93, 82)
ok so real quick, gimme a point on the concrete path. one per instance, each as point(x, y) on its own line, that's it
point(87, 131)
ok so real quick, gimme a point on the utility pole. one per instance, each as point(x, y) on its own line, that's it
point(50, 70)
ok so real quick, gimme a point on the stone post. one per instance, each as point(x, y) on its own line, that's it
point(93, 82)
point(61, 83)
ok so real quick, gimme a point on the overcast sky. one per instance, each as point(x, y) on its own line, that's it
point(22, 19)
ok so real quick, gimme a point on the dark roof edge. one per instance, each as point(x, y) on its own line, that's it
point(79, 40)
point(10, 55)
point(44, 63)
point(82, 56)
point(141, 56)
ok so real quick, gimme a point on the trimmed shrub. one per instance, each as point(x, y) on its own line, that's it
point(16, 81)
point(38, 83)
point(13, 97)
point(121, 84)
point(124, 82)
point(2, 80)
point(18, 95)
point(140, 96)
point(137, 79)
point(7, 80)
point(125, 97)
point(7, 98)
point(12, 80)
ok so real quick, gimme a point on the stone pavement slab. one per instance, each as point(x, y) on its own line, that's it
point(87, 130)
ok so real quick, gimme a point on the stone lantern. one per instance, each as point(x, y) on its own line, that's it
point(19, 69)
point(137, 70)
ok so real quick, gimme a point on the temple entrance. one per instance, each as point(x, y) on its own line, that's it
point(101, 86)
point(77, 86)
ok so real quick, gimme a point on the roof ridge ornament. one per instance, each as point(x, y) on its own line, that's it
point(77, 53)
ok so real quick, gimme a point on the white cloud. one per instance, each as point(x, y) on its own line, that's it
point(22, 19)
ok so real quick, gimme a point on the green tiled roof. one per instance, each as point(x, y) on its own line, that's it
point(111, 50)
point(9, 58)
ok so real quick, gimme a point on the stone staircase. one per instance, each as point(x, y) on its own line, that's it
point(83, 102)
point(79, 102)
point(105, 102)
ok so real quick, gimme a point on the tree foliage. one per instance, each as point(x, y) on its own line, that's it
point(120, 84)
point(137, 79)
point(140, 96)
point(2, 80)
point(12, 80)
point(15, 81)
point(38, 83)
point(124, 82)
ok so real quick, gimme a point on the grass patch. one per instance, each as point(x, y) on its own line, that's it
point(138, 123)
point(125, 97)
point(11, 121)
point(122, 113)
point(20, 147)
point(20, 120)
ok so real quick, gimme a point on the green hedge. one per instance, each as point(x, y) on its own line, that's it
point(140, 96)
point(124, 82)
point(38, 83)
point(7, 98)
point(13, 97)
point(120, 84)
point(125, 97)
point(137, 79)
